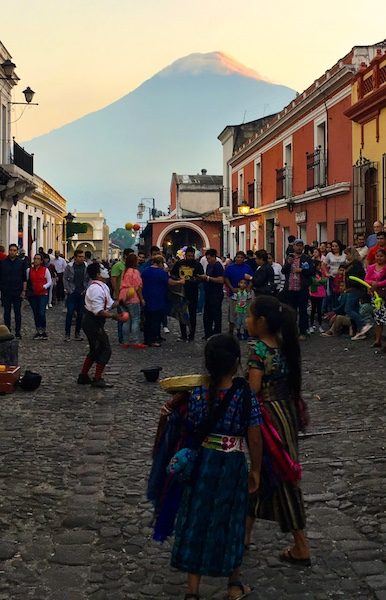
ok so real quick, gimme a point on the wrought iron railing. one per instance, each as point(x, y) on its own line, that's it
point(316, 168)
point(22, 159)
point(284, 182)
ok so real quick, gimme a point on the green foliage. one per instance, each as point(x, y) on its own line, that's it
point(122, 238)
point(73, 228)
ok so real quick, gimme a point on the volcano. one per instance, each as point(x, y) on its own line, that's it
point(111, 158)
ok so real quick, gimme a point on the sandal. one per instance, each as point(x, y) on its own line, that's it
point(288, 557)
point(244, 589)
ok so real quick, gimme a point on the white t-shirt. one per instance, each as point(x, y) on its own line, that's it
point(98, 297)
point(59, 264)
point(363, 252)
point(334, 261)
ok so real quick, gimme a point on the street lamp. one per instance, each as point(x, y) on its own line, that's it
point(8, 67)
point(141, 208)
point(68, 219)
point(244, 208)
point(9, 71)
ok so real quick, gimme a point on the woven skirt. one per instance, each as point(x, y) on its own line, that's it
point(210, 528)
point(278, 500)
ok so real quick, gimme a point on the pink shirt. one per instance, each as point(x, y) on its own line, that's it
point(131, 278)
point(373, 274)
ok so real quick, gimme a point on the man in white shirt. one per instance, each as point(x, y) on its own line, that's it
point(361, 246)
point(60, 265)
point(98, 304)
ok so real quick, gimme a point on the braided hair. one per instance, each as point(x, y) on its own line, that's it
point(222, 358)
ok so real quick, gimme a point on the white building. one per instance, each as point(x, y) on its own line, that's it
point(31, 210)
point(16, 165)
point(96, 238)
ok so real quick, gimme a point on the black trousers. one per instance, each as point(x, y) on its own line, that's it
point(59, 288)
point(316, 308)
point(9, 301)
point(212, 316)
point(192, 307)
point(299, 302)
point(152, 326)
point(98, 340)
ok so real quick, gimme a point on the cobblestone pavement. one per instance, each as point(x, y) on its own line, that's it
point(74, 522)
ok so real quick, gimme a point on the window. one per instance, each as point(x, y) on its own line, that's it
point(241, 186)
point(302, 232)
point(258, 183)
point(4, 156)
point(288, 169)
point(341, 231)
point(321, 232)
point(37, 233)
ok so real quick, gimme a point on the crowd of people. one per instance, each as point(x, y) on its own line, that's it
point(333, 289)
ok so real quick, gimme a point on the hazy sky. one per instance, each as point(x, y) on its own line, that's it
point(79, 55)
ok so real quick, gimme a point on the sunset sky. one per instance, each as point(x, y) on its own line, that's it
point(79, 55)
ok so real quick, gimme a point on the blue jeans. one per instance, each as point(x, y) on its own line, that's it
point(75, 302)
point(14, 300)
point(39, 305)
point(352, 308)
point(131, 327)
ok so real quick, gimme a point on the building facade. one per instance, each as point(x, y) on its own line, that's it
point(194, 218)
point(38, 219)
point(31, 210)
point(95, 239)
point(368, 115)
point(294, 174)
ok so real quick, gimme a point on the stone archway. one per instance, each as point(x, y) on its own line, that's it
point(179, 234)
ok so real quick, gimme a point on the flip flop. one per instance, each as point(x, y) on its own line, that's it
point(287, 557)
point(243, 589)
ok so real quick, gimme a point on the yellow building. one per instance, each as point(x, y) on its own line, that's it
point(368, 114)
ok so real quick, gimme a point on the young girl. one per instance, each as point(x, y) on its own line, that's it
point(242, 297)
point(334, 259)
point(210, 527)
point(318, 293)
point(130, 296)
point(274, 373)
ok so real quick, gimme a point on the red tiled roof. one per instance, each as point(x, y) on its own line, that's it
point(214, 217)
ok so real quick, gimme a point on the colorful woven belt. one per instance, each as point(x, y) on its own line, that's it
point(224, 443)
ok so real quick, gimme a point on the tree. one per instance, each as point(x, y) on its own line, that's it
point(122, 238)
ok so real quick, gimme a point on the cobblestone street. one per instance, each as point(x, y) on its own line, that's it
point(74, 520)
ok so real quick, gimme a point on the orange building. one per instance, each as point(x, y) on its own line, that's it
point(194, 218)
point(293, 174)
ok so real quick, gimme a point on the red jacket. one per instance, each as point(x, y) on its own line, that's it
point(37, 278)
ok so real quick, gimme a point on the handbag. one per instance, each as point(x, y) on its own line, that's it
point(184, 461)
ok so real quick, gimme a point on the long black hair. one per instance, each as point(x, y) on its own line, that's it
point(222, 357)
point(281, 321)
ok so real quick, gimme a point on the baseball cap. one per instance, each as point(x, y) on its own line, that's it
point(299, 241)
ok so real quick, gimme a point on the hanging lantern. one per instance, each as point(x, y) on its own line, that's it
point(136, 227)
point(129, 226)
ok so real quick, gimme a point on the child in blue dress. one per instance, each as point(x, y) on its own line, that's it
point(210, 525)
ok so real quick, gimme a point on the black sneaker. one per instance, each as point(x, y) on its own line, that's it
point(37, 336)
point(83, 379)
point(44, 335)
point(78, 337)
point(18, 336)
point(101, 383)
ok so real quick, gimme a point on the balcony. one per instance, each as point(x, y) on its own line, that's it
point(316, 168)
point(22, 159)
point(284, 182)
point(235, 201)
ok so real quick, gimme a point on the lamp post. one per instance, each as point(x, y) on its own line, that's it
point(244, 208)
point(9, 71)
point(68, 219)
point(142, 206)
